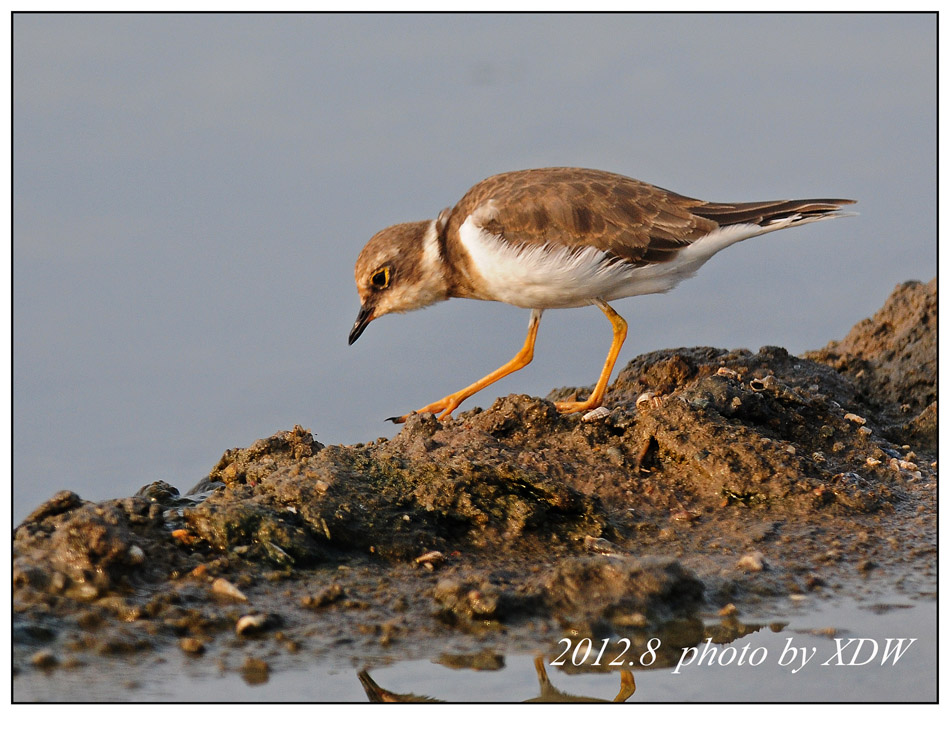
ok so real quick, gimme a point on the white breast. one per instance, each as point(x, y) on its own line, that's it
point(552, 276)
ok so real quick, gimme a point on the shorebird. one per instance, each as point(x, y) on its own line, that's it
point(554, 238)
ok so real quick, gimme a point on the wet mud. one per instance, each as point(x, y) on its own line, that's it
point(713, 483)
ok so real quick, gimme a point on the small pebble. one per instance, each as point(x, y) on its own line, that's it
point(686, 516)
point(430, 559)
point(251, 624)
point(328, 595)
point(631, 620)
point(58, 582)
point(191, 645)
point(227, 590)
point(44, 659)
point(85, 592)
point(183, 536)
point(854, 418)
point(600, 545)
point(754, 561)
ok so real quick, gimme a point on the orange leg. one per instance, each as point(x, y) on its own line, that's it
point(597, 397)
point(450, 403)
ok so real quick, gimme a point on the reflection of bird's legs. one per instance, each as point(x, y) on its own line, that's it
point(549, 693)
point(376, 694)
point(597, 397)
point(628, 686)
point(448, 404)
point(543, 682)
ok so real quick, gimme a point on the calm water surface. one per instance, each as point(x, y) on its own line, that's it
point(913, 677)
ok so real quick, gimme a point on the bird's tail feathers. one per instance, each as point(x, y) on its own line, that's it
point(774, 214)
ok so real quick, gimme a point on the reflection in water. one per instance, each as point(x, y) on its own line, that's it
point(549, 693)
point(491, 676)
point(376, 694)
point(657, 650)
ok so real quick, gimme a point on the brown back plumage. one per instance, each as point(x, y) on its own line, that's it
point(635, 221)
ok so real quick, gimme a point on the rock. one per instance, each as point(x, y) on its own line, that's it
point(326, 596)
point(85, 549)
point(159, 491)
point(754, 562)
point(470, 600)
point(891, 357)
point(232, 519)
point(590, 588)
point(192, 645)
point(58, 504)
point(44, 659)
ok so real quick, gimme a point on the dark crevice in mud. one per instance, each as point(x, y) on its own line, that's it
point(712, 479)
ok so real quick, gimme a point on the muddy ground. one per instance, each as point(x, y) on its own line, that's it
point(713, 483)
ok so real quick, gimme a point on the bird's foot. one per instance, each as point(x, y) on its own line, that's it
point(444, 405)
point(573, 406)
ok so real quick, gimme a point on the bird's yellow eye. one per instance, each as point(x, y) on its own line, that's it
point(380, 279)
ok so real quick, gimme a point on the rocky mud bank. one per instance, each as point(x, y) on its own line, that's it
point(713, 484)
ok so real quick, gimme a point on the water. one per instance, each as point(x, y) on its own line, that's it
point(910, 677)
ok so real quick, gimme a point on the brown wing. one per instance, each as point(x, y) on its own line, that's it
point(582, 208)
point(632, 220)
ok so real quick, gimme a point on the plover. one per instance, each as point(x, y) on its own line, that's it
point(558, 237)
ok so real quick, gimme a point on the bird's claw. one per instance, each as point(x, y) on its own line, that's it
point(441, 409)
point(574, 407)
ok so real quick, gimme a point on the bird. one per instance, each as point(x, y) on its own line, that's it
point(558, 237)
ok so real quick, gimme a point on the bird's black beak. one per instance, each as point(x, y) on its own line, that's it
point(362, 320)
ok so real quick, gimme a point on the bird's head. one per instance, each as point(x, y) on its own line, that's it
point(399, 270)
